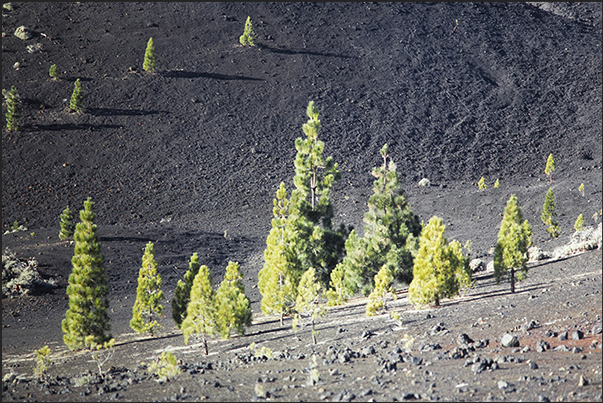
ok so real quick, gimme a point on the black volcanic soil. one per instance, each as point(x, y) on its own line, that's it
point(190, 158)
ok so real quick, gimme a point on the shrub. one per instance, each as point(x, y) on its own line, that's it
point(248, 37)
point(165, 367)
point(75, 104)
point(482, 184)
point(550, 167)
point(514, 239)
point(148, 294)
point(21, 277)
point(53, 72)
point(100, 352)
point(67, 225)
point(43, 361)
point(12, 108)
point(150, 57)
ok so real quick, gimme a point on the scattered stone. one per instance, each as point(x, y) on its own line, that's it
point(368, 350)
point(542, 345)
point(482, 343)
point(562, 336)
point(509, 340)
point(477, 265)
point(596, 329)
point(535, 254)
point(416, 360)
point(410, 396)
point(23, 33)
point(424, 183)
point(550, 333)
point(525, 349)
point(464, 339)
point(582, 381)
point(367, 334)
point(529, 326)
point(490, 266)
point(440, 327)
point(430, 347)
point(533, 365)
point(576, 350)
point(543, 398)
point(502, 385)
point(577, 335)
point(562, 348)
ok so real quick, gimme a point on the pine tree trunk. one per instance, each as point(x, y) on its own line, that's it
point(512, 279)
point(205, 344)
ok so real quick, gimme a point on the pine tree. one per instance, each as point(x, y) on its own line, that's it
point(148, 294)
point(389, 225)
point(12, 111)
point(201, 311)
point(497, 184)
point(67, 226)
point(150, 57)
point(550, 167)
point(579, 224)
point(311, 210)
point(482, 184)
point(233, 306)
point(248, 37)
point(75, 104)
point(514, 239)
point(383, 289)
point(440, 269)
point(53, 73)
point(277, 282)
point(182, 295)
point(88, 286)
point(308, 301)
point(549, 215)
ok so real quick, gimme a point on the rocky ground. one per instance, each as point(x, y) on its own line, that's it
point(189, 158)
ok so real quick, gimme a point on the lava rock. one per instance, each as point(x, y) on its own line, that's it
point(509, 340)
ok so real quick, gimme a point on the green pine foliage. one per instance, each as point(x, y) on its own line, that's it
point(88, 289)
point(148, 295)
point(482, 184)
point(67, 225)
point(53, 72)
point(511, 251)
point(383, 290)
point(277, 282)
point(308, 302)
point(233, 306)
point(549, 215)
point(314, 240)
point(12, 108)
point(497, 184)
point(75, 104)
point(182, 295)
point(201, 311)
point(248, 37)
point(550, 167)
point(390, 233)
point(440, 269)
point(150, 57)
point(579, 224)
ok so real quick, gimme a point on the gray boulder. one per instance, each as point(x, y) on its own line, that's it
point(23, 32)
point(509, 340)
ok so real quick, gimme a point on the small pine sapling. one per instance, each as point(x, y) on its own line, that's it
point(482, 184)
point(339, 292)
point(201, 310)
point(548, 215)
point(383, 289)
point(496, 184)
point(308, 302)
point(150, 57)
point(43, 362)
point(67, 225)
point(581, 189)
point(182, 295)
point(75, 104)
point(579, 224)
point(148, 295)
point(100, 352)
point(514, 239)
point(12, 109)
point(248, 37)
point(165, 366)
point(232, 305)
point(550, 167)
point(53, 72)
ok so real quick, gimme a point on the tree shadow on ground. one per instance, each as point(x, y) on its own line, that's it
point(119, 112)
point(57, 127)
point(215, 76)
point(301, 52)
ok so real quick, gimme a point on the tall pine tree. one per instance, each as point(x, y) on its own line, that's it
point(201, 311)
point(148, 294)
point(514, 239)
point(88, 286)
point(390, 233)
point(233, 306)
point(182, 295)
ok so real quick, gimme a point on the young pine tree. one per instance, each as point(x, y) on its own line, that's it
point(248, 37)
point(277, 282)
point(148, 295)
point(579, 224)
point(315, 242)
point(233, 306)
point(440, 269)
point(88, 286)
point(201, 311)
point(12, 108)
point(308, 302)
point(382, 290)
point(549, 215)
point(150, 57)
point(75, 104)
point(182, 295)
point(53, 72)
point(482, 184)
point(550, 167)
point(514, 239)
point(389, 225)
point(67, 225)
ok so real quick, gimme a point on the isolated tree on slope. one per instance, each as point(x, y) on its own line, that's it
point(12, 111)
point(150, 57)
point(311, 210)
point(514, 239)
point(277, 276)
point(148, 294)
point(550, 167)
point(88, 286)
point(67, 226)
point(233, 306)
point(549, 215)
point(77, 99)
point(201, 310)
point(182, 295)
point(440, 270)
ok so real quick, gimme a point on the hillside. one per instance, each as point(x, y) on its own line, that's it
point(190, 157)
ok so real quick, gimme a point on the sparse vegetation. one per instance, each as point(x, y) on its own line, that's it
point(581, 189)
point(248, 37)
point(182, 295)
point(53, 72)
point(550, 167)
point(67, 225)
point(165, 367)
point(496, 184)
point(549, 215)
point(482, 184)
point(148, 295)
point(150, 57)
point(100, 352)
point(77, 98)
point(21, 277)
point(579, 224)
point(12, 108)
point(514, 239)
point(43, 361)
